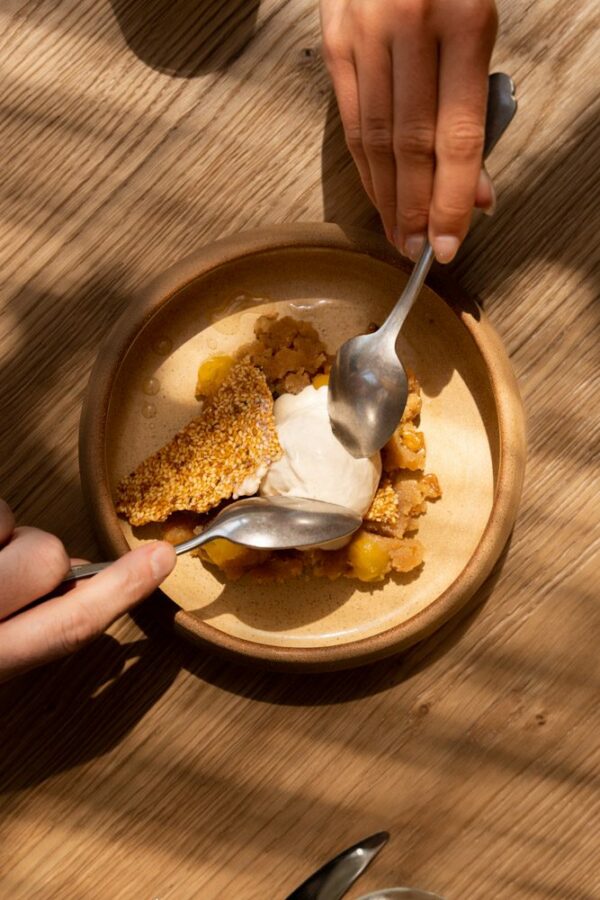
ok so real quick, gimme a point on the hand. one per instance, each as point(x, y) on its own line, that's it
point(32, 564)
point(411, 83)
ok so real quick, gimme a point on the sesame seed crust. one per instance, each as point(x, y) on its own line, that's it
point(208, 460)
point(384, 508)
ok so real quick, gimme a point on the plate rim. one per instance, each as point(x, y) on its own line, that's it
point(162, 289)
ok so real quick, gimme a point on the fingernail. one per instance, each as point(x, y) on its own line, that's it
point(413, 246)
point(485, 189)
point(491, 208)
point(445, 247)
point(162, 560)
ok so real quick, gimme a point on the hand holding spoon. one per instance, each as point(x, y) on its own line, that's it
point(279, 523)
point(368, 386)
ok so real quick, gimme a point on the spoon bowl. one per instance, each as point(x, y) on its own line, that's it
point(368, 370)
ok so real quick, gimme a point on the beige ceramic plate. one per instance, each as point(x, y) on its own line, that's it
point(472, 419)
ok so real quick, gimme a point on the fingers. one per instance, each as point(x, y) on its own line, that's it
point(463, 85)
point(343, 75)
point(374, 74)
point(64, 624)
point(414, 137)
point(7, 522)
point(411, 81)
point(31, 564)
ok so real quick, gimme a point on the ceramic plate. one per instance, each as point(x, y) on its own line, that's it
point(142, 390)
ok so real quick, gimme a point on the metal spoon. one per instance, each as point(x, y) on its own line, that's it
point(279, 523)
point(368, 387)
point(336, 877)
point(401, 894)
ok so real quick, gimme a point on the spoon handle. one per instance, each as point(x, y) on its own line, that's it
point(396, 318)
point(85, 570)
point(501, 107)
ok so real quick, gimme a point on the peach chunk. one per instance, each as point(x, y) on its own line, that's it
point(320, 381)
point(405, 449)
point(211, 375)
point(369, 557)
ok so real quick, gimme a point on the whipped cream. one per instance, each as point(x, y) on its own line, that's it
point(314, 464)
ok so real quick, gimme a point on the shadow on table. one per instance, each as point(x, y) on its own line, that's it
point(344, 686)
point(550, 218)
point(344, 199)
point(186, 38)
point(43, 492)
point(78, 709)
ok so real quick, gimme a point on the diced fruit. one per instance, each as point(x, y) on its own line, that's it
point(405, 449)
point(413, 439)
point(221, 551)
point(211, 375)
point(413, 403)
point(177, 534)
point(320, 381)
point(369, 557)
point(231, 558)
point(432, 486)
point(179, 527)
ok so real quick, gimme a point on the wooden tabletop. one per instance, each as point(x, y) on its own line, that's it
point(134, 131)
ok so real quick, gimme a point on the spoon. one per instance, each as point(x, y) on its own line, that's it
point(368, 386)
point(405, 893)
point(336, 877)
point(279, 523)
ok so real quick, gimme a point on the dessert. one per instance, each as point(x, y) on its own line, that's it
point(314, 464)
point(263, 428)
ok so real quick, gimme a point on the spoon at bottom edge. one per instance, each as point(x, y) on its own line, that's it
point(277, 523)
point(404, 893)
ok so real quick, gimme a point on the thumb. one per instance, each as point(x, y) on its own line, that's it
point(128, 580)
point(64, 624)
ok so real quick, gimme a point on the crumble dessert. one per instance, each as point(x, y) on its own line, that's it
point(263, 427)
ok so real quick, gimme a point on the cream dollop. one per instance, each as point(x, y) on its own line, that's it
point(314, 464)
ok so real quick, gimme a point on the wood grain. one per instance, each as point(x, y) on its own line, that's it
point(132, 132)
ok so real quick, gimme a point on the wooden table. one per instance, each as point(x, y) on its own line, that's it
point(139, 769)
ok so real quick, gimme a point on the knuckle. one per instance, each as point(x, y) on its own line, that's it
point(334, 47)
point(449, 215)
point(415, 142)
point(387, 209)
point(377, 136)
point(362, 18)
point(463, 141)
point(413, 218)
point(51, 555)
point(479, 15)
point(415, 12)
point(353, 137)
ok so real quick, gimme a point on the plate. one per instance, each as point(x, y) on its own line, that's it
point(142, 390)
